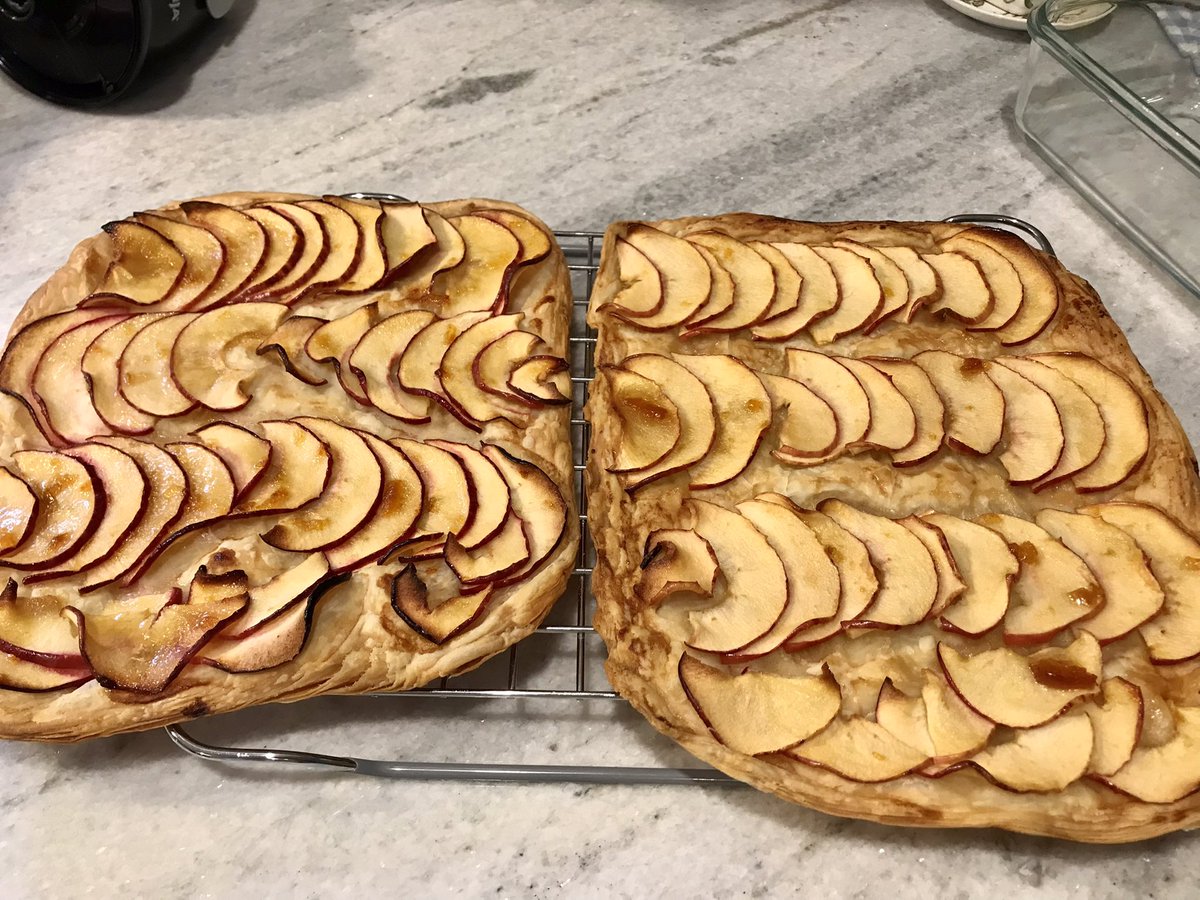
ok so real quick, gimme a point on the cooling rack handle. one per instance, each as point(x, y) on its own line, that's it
point(1031, 233)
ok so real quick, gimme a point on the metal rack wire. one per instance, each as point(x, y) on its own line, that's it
point(582, 251)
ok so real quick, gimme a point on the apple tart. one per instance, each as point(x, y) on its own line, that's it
point(890, 522)
point(265, 446)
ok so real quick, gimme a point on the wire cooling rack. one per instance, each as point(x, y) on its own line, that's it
point(504, 683)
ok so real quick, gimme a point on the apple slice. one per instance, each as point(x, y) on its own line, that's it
point(276, 596)
point(480, 280)
point(987, 568)
point(759, 712)
point(351, 495)
point(787, 280)
point(535, 243)
point(492, 560)
point(445, 252)
point(1173, 635)
point(756, 589)
point(1120, 567)
point(974, 405)
point(753, 284)
point(999, 275)
point(244, 453)
point(277, 642)
point(68, 508)
point(741, 414)
point(1024, 691)
point(904, 718)
point(288, 341)
point(860, 750)
point(1034, 433)
point(17, 674)
point(297, 469)
point(35, 630)
point(1044, 759)
point(145, 268)
point(429, 599)
point(313, 245)
point(641, 292)
point(812, 580)
point(929, 412)
point(494, 366)
point(490, 490)
point(893, 424)
point(1168, 772)
point(421, 360)
point(20, 507)
point(448, 503)
point(650, 425)
point(60, 386)
point(101, 372)
point(203, 259)
point(676, 561)
point(244, 242)
point(214, 355)
point(692, 403)
point(1117, 725)
point(890, 276)
point(539, 504)
point(837, 386)
point(860, 296)
point(371, 266)
point(965, 295)
point(819, 294)
point(403, 233)
point(1039, 286)
point(685, 280)
point(954, 728)
point(283, 251)
point(334, 342)
point(376, 357)
point(542, 380)
point(456, 371)
point(923, 284)
point(1126, 422)
point(144, 369)
point(908, 580)
point(950, 585)
point(809, 431)
point(343, 247)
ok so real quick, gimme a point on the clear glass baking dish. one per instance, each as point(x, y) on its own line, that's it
point(1114, 107)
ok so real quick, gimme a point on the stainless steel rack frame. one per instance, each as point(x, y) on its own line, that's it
point(582, 251)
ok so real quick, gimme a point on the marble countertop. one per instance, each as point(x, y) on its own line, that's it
point(584, 112)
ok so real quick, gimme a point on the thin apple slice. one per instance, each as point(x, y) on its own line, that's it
point(809, 430)
point(214, 355)
point(273, 598)
point(987, 568)
point(542, 380)
point(954, 728)
point(334, 342)
point(965, 294)
point(34, 629)
point(376, 357)
point(677, 561)
point(974, 405)
point(277, 642)
point(890, 276)
point(445, 252)
point(650, 426)
point(641, 292)
point(480, 280)
point(893, 424)
point(144, 369)
point(812, 580)
point(343, 247)
point(1039, 287)
point(101, 371)
point(1120, 567)
point(27, 347)
point(296, 472)
point(787, 281)
point(755, 590)
point(244, 242)
point(351, 495)
point(1126, 422)
point(456, 370)
point(403, 233)
point(313, 246)
point(448, 503)
point(539, 504)
point(492, 560)
point(1023, 691)
point(999, 275)
point(371, 266)
point(833, 383)
point(904, 718)
point(288, 341)
point(753, 284)
point(430, 600)
point(20, 507)
point(923, 283)
point(60, 385)
point(68, 508)
point(697, 422)
point(1173, 635)
point(145, 268)
point(741, 415)
point(908, 580)
point(1034, 433)
point(928, 409)
point(1044, 759)
point(535, 243)
point(1168, 772)
point(819, 294)
point(950, 585)
point(759, 712)
point(203, 259)
point(421, 360)
point(860, 750)
point(494, 366)
point(860, 296)
point(284, 248)
point(244, 453)
point(685, 279)
point(17, 674)
point(1116, 724)
point(490, 490)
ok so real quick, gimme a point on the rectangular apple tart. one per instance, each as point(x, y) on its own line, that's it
point(263, 446)
point(890, 522)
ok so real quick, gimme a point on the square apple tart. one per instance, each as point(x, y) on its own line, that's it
point(890, 522)
point(263, 446)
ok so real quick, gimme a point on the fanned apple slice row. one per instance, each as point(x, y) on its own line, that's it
point(890, 276)
point(334, 342)
point(101, 371)
point(1116, 724)
point(480, 280)
point(145, 268)
point(893, 424)
point(860, 750)
point(974, 405)
point(755, 590)
point(649, 421)
point(808, 432)
point(494, 366)
point(1023, 691)
point(1044, 759)
point(490, 490)
point(1039, 287)
point(677, 561)
point(20, 506)
point(312, 243)
point(376, 357)
point(447, 504)
point(1168, 772)
point(371, 265)
point(759, 712)
point(243, 452)
point(923, 284)
point(860, 296)
point(144, 369)
point(351, 495)
point(403, 233)
point(1173, 635)
point(203, 255)
point(288, 342)
point(214, 355)
point(542, 380)
point(68, 508)
point(421, 360)
point(950, 585)
point(297, 469)
point(965, 295)
point(343, 246)
point(1126, 421)
point(685, 280)
point(753, 284)
point(1034, 435)
point(1053, 589)
point(60, 386)
point(539, 504)
point(908, 580)
point(244, 242)
point(276, 596)
point(987, 568)
point(432, 603)
point(455, 371)
point(929, 411)
point(535, 243)
point(35, 629)
point(787, 281)
point(1000, 277)
point(284, 248)
point(1120, 567)
point(697, 423)
point(641, 292)
point(819, 294)
point(741, 415)
point(837, 386)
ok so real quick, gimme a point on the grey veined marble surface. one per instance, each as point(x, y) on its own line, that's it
point(584, 112)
